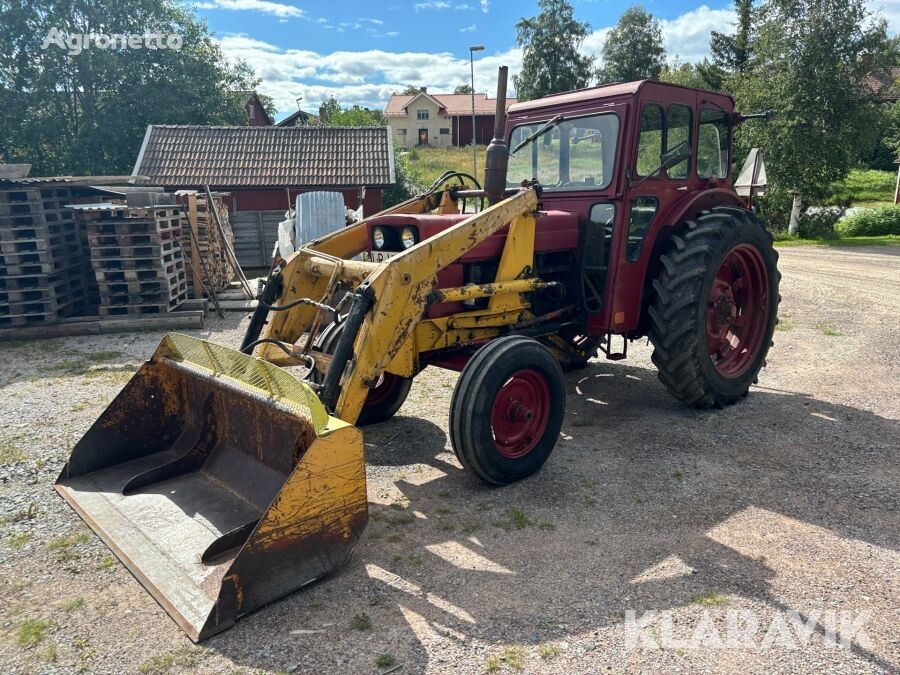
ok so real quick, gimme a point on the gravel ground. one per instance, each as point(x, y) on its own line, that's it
point(779, 510)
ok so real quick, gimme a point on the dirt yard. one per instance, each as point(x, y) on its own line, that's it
point(750, 537)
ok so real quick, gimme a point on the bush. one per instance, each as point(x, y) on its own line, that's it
point(871, 222)
point(819, 223)
point(774, 208)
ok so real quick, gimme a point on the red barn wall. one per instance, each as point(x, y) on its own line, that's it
point(462, 130)
point(274, 199)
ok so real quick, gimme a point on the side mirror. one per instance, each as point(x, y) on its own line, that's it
point(675, 156)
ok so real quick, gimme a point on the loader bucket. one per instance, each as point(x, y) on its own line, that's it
point(220, 481)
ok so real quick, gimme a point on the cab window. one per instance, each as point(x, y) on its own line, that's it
point(650, 144)
point(678, 130)
point(713, 143)
point(577, 154)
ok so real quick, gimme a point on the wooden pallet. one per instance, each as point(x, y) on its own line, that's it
point(143, 307)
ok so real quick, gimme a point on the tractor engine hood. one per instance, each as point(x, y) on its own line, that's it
point(554, 231)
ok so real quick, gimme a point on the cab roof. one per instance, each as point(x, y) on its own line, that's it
point(617, 89)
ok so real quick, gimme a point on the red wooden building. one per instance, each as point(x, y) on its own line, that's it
point(264, 168)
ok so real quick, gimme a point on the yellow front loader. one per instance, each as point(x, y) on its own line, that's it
point(223, 481)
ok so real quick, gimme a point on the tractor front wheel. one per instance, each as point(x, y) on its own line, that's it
point(385, 398)
point(715, 307)
point(507, 410)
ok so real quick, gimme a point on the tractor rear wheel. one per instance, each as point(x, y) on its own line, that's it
point(507, 410)
point(715, 307)
point(385, 398)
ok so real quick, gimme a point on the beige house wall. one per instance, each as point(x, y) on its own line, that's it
point(406, 129)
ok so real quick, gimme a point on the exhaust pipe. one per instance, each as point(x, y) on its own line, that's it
point(497, 160)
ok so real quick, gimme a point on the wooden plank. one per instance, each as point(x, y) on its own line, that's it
point(195, 254)
point(167, 321)
point(101, 325)
point(238, 305)
point(261, 238)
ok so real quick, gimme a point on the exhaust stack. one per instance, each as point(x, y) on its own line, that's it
point(497, 160)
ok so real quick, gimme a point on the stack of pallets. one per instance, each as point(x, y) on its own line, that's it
point(211, 258)
point(136, 258)
point(41, 257)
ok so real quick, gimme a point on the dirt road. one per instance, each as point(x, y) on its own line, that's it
point(739, 537)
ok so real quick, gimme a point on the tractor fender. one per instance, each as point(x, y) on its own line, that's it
point(689, 207)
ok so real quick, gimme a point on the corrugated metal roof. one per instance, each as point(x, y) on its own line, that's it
point(266, 156)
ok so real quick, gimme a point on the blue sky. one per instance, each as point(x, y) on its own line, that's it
point(361, 51)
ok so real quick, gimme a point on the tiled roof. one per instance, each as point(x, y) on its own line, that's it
point(453, 104)
point(266, 156)
point(883, 83)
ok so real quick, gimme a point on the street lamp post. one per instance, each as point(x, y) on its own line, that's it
point(472, 50)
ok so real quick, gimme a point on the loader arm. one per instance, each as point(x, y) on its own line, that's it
point(389, 297)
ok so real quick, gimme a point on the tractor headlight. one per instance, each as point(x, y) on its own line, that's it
point(408, 237)
point(378, 237)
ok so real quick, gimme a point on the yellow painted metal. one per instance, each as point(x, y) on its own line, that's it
point(516, 261)
point(340, 247)
point(475, 291)
point(401, 288)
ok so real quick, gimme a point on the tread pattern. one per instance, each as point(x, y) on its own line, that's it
point(469, 408)
point(677, 307)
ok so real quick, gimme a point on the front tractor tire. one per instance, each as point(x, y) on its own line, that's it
point(507, 410)
point(385, 398)
point(714, 308)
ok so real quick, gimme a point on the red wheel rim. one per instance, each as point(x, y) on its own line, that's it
point(520, 413)
point(738, 311)
point(383, 389)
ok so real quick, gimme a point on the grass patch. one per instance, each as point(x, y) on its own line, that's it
point(518, 518)
point(492, 664)
point(65, 548)
point(73, 604)
point(427, 164)
point(827, 330)
point(785, 323)
point(361, 622)
point(384, 661)
point(107, 563)
point(394, 538)
point(18, 539)
point(864, 187)
point(48, 653)
point(182, 659)
point(10, 453)
point(32, 632)
point(710, 599)
point(547, 652)
point(884, 240)
point(514, 657)
point(388, 519)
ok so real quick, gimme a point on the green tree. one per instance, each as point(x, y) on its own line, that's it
point(634, 48)
point(731, 52)
point(463, 89)
point(86, 112)
point(810, 61)
point(411, 90)
point(551, 62)
point(333, 114)
point(685, 74)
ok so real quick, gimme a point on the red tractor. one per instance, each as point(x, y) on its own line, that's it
point(224, 481)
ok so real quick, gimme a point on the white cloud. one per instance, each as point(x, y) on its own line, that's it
point(468, 29)
point(264, 6)
point(431, 4)
point(686, 37)
point(890, 10)
point(484, 6)
point(365, 78)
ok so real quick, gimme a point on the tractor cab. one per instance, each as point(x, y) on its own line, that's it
point(631, 160)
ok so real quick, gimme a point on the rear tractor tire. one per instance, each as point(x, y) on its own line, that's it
point(385, 398)
point(507, 410)
point(715, 307)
